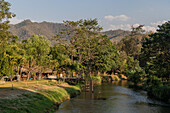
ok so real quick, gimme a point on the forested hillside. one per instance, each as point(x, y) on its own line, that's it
point(116, 35)
point(27, 28)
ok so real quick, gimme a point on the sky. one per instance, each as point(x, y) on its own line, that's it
point(111, 14)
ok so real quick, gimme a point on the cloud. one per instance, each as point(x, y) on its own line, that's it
point(117, 18)
point(109, 17)
point(112, 25)
point(149, 28)
point(146, 28)
point(128, 27)
point(158, 23)
point(15, 20)
point(136, 25)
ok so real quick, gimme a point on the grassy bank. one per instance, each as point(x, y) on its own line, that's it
point(160, 93)
point(33, 97)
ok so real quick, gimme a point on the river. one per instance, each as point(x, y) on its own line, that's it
point(113, 98)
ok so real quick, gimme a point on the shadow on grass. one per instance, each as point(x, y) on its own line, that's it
point(24, 101)
point(73, 91)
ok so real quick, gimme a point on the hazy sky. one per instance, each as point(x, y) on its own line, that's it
point(111, 14)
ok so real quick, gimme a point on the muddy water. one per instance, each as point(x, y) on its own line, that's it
point(113, 98)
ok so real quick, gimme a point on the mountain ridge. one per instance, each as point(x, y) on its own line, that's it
point(27, 28)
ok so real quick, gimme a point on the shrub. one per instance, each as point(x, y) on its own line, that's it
point(96, 79)
point(135, 75)
point(161, 93)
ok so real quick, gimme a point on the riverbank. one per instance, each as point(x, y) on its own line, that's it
point(161, 93)
point(34, 96)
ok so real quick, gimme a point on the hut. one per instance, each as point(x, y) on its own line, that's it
point(49, 74)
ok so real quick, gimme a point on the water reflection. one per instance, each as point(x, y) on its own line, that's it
point(113, 98)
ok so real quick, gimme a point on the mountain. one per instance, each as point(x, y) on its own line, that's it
point(116, 35)
point(27, 28)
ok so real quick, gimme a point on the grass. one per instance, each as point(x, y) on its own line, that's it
point(33, 97)
point(24, 83)
point(29, 103)
point(161, 93)
point(73, 91)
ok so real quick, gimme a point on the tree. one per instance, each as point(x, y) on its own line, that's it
point(5, 65)
point(137, 30)
point(156, 53)
point(132, 44)
point(37, 49)
point(88, 46)
point(4, 36)
point(105, 55)
point(16, 55)
point(130, 49)
point(135, 75)
point(4, 23)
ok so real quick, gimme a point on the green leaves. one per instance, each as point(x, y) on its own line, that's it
point(135, 75)
point(92, 50)
point(156, 53)
point(37, 52)
point(4, 24)
point(5, 63)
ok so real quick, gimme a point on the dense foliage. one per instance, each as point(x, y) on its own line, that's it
point(5, 60)
point(81, 47)
point(156, 55)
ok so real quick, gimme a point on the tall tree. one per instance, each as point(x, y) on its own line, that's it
point(37, 49)
point(90, 48)
point(132, 44)
point(5, 15)
point(156, 53)
point(16, 55)
point(106, 55)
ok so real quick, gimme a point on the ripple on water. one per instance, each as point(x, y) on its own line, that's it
point(114, 99)
point(136, 97)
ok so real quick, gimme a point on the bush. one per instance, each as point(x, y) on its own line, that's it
point(116, 78)
point(161, 93)
point(153, 82)
point(135, 76)
point(96, 79)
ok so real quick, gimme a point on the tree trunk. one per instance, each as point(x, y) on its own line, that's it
point(35, 76)
point(11, 78)
point(28, 76)
point(40, 77)
point(88, 74)
point(12, 73)
point(20, 74)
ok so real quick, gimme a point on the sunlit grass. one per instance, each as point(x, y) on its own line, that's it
point(36, 97)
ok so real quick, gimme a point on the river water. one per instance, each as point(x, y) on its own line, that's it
point(113, 98)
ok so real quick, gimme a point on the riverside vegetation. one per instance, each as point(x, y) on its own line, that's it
point(81, 47)
point(35, 96)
